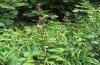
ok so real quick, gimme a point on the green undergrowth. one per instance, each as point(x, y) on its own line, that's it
point(73, 42)
point(55, 44)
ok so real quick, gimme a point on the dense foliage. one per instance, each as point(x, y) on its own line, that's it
point(26, 10)
point(75, 40)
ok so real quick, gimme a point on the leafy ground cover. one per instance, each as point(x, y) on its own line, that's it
point(73, 41)
point(58, 44)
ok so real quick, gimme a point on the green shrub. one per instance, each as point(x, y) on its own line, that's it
point(55, 43)
point(16, 10)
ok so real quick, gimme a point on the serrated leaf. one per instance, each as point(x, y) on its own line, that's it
point(57, 50)
point(60, 59)
point(56, 57)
